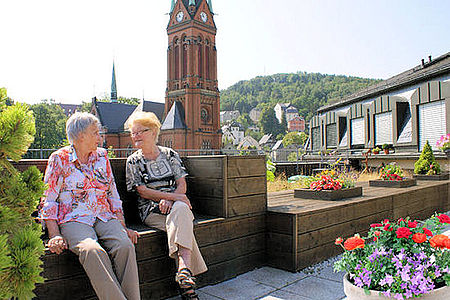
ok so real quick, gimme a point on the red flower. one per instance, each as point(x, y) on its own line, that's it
point(427, 231)
point(385, 221)
point(400, 220)
point(444, 218)
point(403, 232)
point(376, 225)
point(446, 243)
point(438, 241)
point(419, 237)
point(377, 233)
point(388, 227)
point(412, 224)
point(338, 241)
point(354, 243)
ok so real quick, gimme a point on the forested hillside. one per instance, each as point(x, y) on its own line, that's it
point(306, 91)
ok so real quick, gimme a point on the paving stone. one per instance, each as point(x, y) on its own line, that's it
point(273, 277)
point(328, 273)
point(238, 289)
point(317, 288)
point(284, 295)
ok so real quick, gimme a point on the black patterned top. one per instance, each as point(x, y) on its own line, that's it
point(160, 174)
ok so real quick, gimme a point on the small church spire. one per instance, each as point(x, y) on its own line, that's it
point(113, 86)
point(172, 6)
point(210, 6)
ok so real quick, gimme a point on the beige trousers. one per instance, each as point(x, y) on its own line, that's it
point(180, 231)
point(83, 241)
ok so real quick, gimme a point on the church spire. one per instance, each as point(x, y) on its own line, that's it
point(113, 86)
point(172, 6)
point(191, 2)
point(210, 6)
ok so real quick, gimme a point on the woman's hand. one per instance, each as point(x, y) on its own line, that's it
point(182, 197)
point(132, 235)
point(57, 244)
point(165, 206)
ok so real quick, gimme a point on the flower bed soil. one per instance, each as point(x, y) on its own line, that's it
point(407, 182)
point(328, 194)
point(444, 176)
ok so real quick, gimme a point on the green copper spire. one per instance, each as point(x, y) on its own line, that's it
point(113, 86)
point(210, 6)
point(191, 2)
point(172, 6)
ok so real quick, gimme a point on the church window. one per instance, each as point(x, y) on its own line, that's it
point(207, 53)
point(184, 60)
point(200, 60)
point(177, 62)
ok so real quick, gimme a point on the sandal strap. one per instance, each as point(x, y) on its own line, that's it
point(185, 279)
point(188, 294)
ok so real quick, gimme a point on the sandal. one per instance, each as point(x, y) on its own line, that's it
point(186, 284)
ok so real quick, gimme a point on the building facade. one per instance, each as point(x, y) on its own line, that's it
point(296, 124)
point(192, 104)
point(403, 111)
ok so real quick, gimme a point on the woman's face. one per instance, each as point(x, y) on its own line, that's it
point(91, 137)
point(142, 135)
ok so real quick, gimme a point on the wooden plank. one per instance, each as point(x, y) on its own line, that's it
point(280, 222)
point(246, 186)
point(247, 205)
point(279, 242)
point(246, 166)
point(160, 289)
point(205, 187)
point(209, 167)
point(282, 260)
point(211, 206)
point(229, 229)
point(312, 256)
point(76, 287)
point(156, 269)
point(227, 250)
point(59, 266)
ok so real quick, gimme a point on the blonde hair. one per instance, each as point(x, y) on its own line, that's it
point(146, 119)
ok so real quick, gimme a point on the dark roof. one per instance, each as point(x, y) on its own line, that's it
point(427, 70)
point(113, 115)
point(197, 3)
point(175, 117)
point(69, 108)
point(155, 107)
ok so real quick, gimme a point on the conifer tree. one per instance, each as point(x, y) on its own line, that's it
point(427, 164)
point(20, 242)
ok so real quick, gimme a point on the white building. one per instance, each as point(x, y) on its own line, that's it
point(233, 132)
point(229, 115)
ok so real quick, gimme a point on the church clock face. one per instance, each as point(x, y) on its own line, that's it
point(180, 16)
point(204, 16)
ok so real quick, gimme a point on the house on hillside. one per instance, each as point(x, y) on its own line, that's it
point(280, 109)
point(248, 143)
point(233, 132)
point(255, 114)
point(229, 115)
point(70, 109)
point(296, 124)
point(404, 111)
point(267, 141)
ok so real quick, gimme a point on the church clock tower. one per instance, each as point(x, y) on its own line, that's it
point(192, 106)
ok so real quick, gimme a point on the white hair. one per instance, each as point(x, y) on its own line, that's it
point(78, 123)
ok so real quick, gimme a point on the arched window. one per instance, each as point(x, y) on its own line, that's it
point(200, 58)
point(177, 60)
point(184, 58)
point(207, 53)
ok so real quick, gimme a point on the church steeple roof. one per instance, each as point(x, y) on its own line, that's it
point(172, 6)
point(191, 2)
point(175, 117)
point(113, 85)
point(210, 6)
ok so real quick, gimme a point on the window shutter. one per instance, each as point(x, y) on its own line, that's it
point(357, 131)
point(431, 123)
point(383, 128)
point(331, 135)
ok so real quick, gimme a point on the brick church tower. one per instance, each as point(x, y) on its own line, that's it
point(192, 106)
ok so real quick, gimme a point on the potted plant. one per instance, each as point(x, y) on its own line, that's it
point(386, 148)
point(444, 144)
point(330, 184)
point(392, 175)
point(426, 167)
point(376, 150)
point(400, 259)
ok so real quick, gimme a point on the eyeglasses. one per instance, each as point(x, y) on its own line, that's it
point(139, 132)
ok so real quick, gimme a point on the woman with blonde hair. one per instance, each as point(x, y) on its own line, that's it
point(157, 175)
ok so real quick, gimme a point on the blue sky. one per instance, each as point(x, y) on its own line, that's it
point(64, 49)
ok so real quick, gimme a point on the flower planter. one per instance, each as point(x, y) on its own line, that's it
point(356, 293)
point(386, 151)
point(447, 152)
point(443, 176)
point(393, 183)
point(328, 194)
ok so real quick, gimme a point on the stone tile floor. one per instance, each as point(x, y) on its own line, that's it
point(318, 282)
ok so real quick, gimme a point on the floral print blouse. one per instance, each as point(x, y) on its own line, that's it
point(79, 192)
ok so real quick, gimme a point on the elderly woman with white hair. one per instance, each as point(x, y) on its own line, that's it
point(157, 175)
point(83, 212)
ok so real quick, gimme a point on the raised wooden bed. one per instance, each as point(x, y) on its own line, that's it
point(393, 183)
point(328, 194)
point(443, 176)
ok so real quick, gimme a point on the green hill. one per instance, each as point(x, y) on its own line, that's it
point(306, 91)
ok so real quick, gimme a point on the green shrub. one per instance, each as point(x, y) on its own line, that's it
point(427, 164)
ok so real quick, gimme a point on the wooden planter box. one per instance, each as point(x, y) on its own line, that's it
point(443, 176)
point(328, 194)
point(392, 183)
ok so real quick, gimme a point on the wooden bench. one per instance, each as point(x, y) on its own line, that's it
point(229, 200)
point(301, 232)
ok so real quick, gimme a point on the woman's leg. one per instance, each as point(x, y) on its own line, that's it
point(82, 240)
